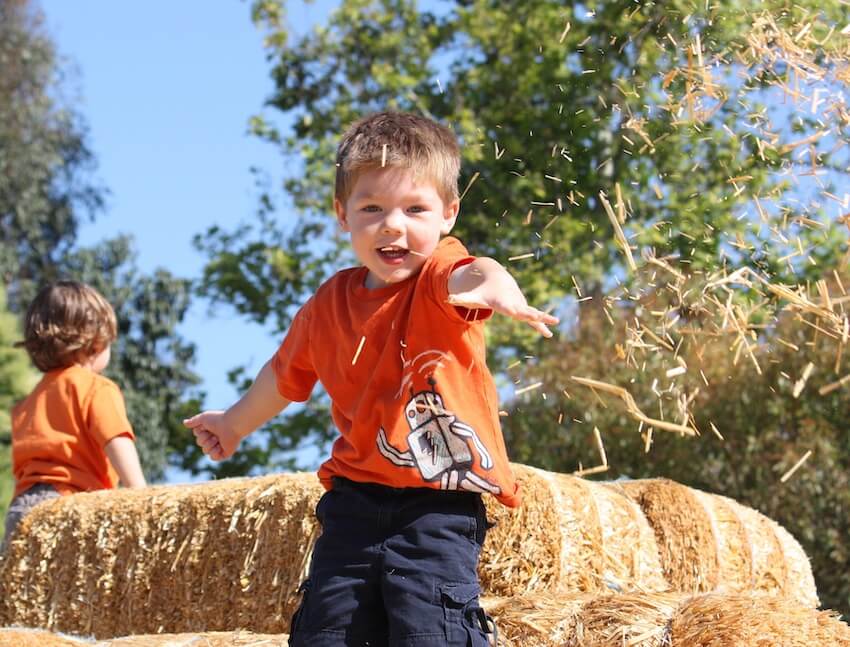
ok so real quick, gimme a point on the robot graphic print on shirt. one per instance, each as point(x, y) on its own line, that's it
point(439, 445)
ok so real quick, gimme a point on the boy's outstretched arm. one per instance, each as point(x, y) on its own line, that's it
point(219, 433)
point(484, 283)
point(123, 456)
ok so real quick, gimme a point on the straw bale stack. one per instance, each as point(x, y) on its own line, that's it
point(662, 620)
point(14, 637)
point(37, 638)
point(570, 534)
point(744, 620)
point(683, 531)
point(712, 543)
point(213, 557)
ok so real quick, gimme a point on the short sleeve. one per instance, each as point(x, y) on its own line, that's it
point(449, 256)
point(293, 362)
point(107, 414)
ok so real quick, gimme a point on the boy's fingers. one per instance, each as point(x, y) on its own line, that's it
point(541, 328)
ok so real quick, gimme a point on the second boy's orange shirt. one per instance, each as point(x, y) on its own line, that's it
point(406, 372)
point(60, 429)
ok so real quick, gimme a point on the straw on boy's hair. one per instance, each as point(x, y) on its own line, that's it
point(67, 323)
point(398, 140)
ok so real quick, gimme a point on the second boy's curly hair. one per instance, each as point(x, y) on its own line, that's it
point(67, 323)
point(399, 140)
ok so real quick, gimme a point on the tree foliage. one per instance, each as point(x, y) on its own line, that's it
point(666, 110)
point(47, 190)
point(17, 378)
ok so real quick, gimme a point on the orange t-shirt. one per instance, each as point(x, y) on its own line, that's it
point(407, 376)
point(59, 431)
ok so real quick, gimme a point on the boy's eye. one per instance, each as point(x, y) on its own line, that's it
point(371, 208)
point(417, 208)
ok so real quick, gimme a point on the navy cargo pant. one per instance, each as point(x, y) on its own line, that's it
point(394, 567)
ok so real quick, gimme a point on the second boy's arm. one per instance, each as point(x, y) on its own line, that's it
point(123, 456)
point(218, 433)
point(484, 283)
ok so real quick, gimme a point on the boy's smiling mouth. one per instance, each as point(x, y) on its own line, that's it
point(392, 253)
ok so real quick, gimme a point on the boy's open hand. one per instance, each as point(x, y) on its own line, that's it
point(512, 305)
point(486, 284)
point(214, 436)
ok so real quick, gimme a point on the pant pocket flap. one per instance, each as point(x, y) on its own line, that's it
point(460, 593)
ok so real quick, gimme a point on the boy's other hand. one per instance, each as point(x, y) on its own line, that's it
point(214, 436)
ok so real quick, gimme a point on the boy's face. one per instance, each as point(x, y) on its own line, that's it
point(395, 219)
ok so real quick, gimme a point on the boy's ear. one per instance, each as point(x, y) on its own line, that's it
point(341, 216)
point(450, 216)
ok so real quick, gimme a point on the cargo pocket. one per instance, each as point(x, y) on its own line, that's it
point(297, 622)
point(461, 611)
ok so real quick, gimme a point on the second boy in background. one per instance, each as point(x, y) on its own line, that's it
point(398, 344)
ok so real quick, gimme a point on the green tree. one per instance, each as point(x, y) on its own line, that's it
point(46, 191)
point(17, 378)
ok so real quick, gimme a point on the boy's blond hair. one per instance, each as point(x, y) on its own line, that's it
point(398, 140)
point(67, 323)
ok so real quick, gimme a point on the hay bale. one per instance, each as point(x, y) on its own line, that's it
point(203, 639)
point(734, 553)
point(164, 559)
point(16, 637)
point(523, 550)
point(630, 557)
point(569, 535)
point(683, 532)
point(535, 620)
point(754, 621)
point(639, 620)
point(800, 581)
point(769, 568)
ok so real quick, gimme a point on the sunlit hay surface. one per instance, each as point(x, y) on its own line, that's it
point(13, 637)
point(662, 620)
point(570, 534)
point(754, 621)
point(212, 556)
point(769, 566)
point(630, 551)
point(625, 619)
point(522, 551)
point(734, 554)
point(682, 530)
point(537, 619)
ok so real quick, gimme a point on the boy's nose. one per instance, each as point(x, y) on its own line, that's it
point(394, 221)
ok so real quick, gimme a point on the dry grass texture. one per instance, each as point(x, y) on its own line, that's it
point(39, 638)
point(570, 534)
point(230, 554)
point(214, 556)
point(662, 620)
point(712, 543)
point(747, 621)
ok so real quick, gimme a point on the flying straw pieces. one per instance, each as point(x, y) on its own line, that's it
point(214, 556)
point(743, 620)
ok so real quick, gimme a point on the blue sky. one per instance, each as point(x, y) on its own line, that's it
point(166, 89)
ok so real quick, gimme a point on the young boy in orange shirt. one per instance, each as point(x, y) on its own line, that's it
point(71, 434)
point(399, 346)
